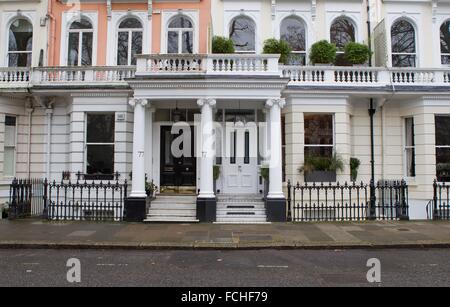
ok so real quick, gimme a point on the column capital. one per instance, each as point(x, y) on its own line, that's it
point(134, 101)
point(281, 102)
point(206, 101)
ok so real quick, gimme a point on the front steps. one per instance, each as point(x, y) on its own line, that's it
point(241, 209)
point(176, 208)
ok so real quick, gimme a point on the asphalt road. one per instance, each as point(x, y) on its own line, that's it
point(225, 268)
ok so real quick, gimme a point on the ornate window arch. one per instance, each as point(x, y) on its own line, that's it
point(80, 43)
point(342, 32)
point(180, 35)
point(243, 33)
point(20, 43)
point(445, 42)
point(403, 44)
point(293, 30)
point(129, 40)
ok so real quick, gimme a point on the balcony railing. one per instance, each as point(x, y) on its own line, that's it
point(226, 65)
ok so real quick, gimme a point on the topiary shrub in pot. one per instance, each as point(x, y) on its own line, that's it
point(222, 45)
point(354, 167)
point(357, 54)
point(321, 169)
point(322, 53)
point(281, 47)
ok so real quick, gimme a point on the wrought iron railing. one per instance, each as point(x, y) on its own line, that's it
point(347, 202)
point(441, 201)
point(26, 198)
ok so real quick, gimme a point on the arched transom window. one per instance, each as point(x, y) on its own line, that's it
point(180, 35)
point(445, 43)
point(243, 34)
point(403, 37)
point(81, 37)
point(293, 31)
point(129, 41)
point(20, 43)
point(342, 32)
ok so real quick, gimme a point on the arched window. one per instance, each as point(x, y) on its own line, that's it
point(445, 43)
point(342, 32)
point(20, 43)
point(293, 31)
point(243, 34)
point(129, 41)
point(180, 35)
point(81, 37)
point(403, 38)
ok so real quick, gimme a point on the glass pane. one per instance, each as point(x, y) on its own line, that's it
point(188, 42)
point(180, 22)
point(9, 161)
point(319, 129)
point(122, 48)
point(410, 162)
point(19, 59)
point(242, 32)
point(445, 37)
point(72, 57)
point(342, 32)
point(86, 56)
point(297, 59)
point(100, 128)
point(10, 136)
point(319, 151)
point(247, 148)
point(20, 36)
point(403, 60)
point(136, 46)
point(100, 159)
point(293, 31)
point(172, 42)
point(81, 24)
point(442, 130)
point(130, 23)
point(403, 37)
point(233, 147)
point(443, 164)
point(409, 126)
point(240, 115)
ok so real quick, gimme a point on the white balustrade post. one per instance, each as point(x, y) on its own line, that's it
point(207, 148)
point(138, 175)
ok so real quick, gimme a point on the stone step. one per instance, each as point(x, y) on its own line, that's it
point(239, 222)
point(168, 219)
point(243, 206)
point(246, 211)
point(174, 212)
point(173, 206)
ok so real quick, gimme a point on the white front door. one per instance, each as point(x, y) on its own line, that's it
point(240, 164)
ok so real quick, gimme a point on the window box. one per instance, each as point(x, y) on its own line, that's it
point(320, 176)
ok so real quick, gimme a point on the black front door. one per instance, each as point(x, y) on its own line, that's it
point(177, 170)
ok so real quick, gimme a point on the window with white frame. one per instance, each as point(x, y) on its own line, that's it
point(293, 31)
point(319, 135)
point(243, 34)
point(410, 148)
point(442, 131)
point(403, 37)
point(20, 43)
point(129, 41)
point(445, 43)
point(80, 43)
point(100, 144)
point(342, 32)
point(9, 160)
point(180, 35)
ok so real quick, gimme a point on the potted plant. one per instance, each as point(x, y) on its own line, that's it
point(322, 53)
point(222, 45)
point(281, 47)
point(216, 176)
point(357, 54)
point(354, 167)
point(4, 210)
point(443, 172)
point(150, 189)
point(265, 172)
point(321, 169)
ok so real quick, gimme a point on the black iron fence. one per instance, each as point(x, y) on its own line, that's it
point(440, 203)
point(387, 200)
point(26, 198)
point(90, 201)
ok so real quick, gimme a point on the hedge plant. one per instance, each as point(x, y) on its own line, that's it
point(322, 52)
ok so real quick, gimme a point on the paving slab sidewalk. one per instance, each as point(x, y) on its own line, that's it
point(31, 233)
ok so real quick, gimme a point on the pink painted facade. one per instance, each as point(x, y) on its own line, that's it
point(104, 34)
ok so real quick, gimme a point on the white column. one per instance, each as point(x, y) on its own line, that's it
point(49, 113)
point(138, 180)
point(207, 148)
point(149, 143)
point(276, 171)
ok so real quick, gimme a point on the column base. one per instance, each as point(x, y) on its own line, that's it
point(276, 209)
point(135, 209)
point(206, 209)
